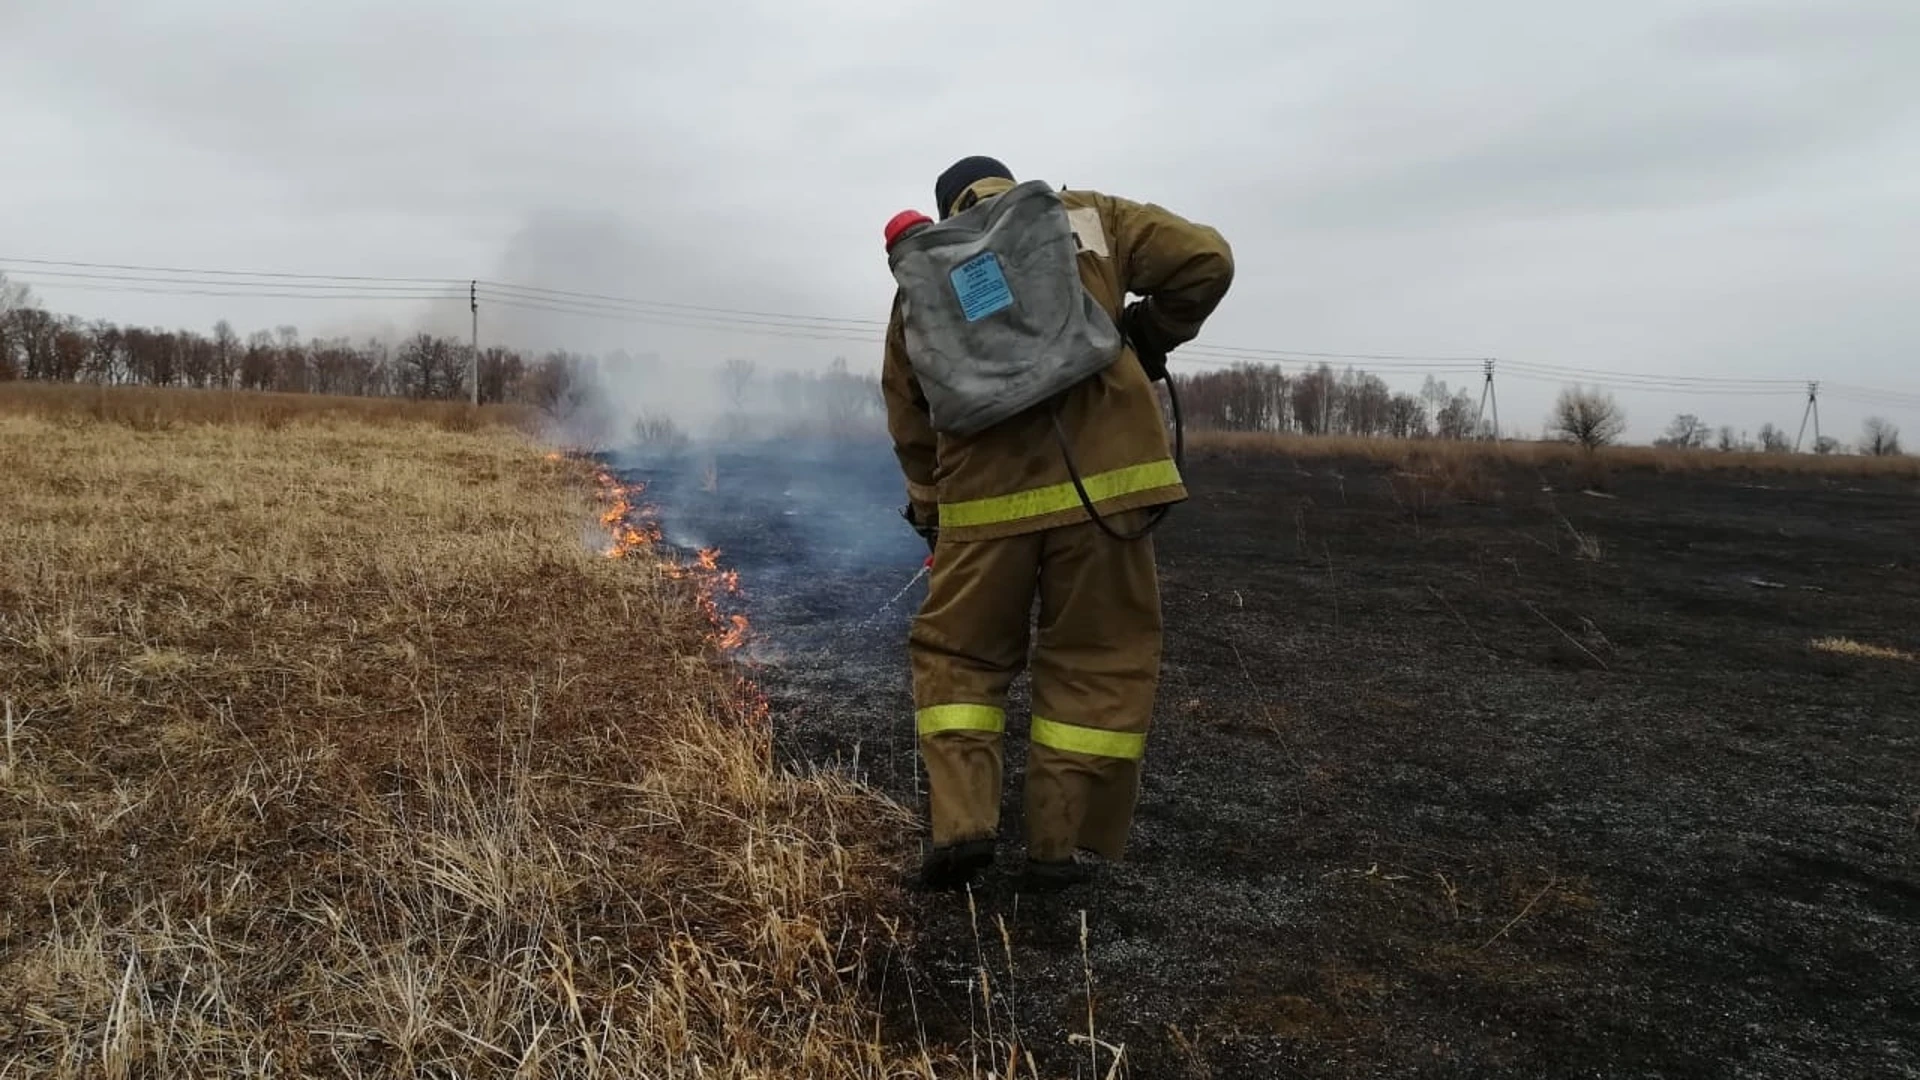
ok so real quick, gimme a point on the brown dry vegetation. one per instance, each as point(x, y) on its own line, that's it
point(1459, 454)
point(151, 408)
point(1841, 646)
point(332, 748)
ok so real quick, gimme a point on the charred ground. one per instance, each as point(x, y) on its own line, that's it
point(1488, 775)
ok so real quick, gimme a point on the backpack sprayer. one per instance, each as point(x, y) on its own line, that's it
point(998, 321)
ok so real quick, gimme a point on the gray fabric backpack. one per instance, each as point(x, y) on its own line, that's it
point(995, 316)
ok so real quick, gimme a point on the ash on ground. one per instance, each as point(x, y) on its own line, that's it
point(1535, 784)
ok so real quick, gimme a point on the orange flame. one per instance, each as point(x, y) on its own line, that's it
point(636, 530)
point(737, 636)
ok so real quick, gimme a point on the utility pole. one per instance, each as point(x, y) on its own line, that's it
point(473, 360)
point(1487, 395)
point(1812, 410)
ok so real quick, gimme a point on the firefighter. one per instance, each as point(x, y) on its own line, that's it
point(1007, 525)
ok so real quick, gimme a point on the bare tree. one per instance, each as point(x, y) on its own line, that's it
point(106, 355)
point(1364, 404)
point(1880, 438)
point(32, 333)
point(1773, 440)
point(430, 367)
point(1591, 418)
point(199, 360)
point(1407, 417)
point(226, 352)
point(1245, 397)
point(1312, 393)
point(1687, 432)
point(500, 373)
point(71, 347)
point(257, 363)
point(1727, 442)
point(14, 297)
point(737, 375)
point(290, 369)
point(1455, 420)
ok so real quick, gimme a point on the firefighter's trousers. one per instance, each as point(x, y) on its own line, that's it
point(1095, 666)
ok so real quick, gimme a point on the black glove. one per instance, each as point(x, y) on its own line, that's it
point(1137, 326)
point(929, 533)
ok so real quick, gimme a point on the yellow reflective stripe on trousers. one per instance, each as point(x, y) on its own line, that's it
point(1129, 746)
point(938, 718)
point(1057, 497)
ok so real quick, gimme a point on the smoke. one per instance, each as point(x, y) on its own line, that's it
point(812, 526)
point(668, 374)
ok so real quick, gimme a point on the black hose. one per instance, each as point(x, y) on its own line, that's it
point(1159, 513)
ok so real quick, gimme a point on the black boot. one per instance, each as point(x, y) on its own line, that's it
point(1052, 876)
point(951, 867)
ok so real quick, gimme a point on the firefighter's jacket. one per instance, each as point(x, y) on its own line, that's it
point(1012, 478)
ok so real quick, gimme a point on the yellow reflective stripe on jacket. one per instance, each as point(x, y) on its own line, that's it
point(938, 718)
point(1057, 497)
point(1129, 746)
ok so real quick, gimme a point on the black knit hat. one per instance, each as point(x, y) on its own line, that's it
point(962, 175)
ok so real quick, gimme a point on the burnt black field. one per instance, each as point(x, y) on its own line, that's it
point(1545, 783)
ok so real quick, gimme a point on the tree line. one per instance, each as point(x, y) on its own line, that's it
point(1315, 401)
point(1252, 397)
point(1879, 437)
point(38, 344)
point(573, 387)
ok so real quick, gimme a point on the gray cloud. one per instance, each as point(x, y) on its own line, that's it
point(1713, 188)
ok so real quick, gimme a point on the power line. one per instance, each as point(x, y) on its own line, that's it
point(285, 285)
point(1615, 383)
point(1290, 354)
point(601, 299)
point(261, 295)
point(1869, 396)
point(152, 279)
point(502, 291)
point(682, 322)
point(1576, 372)
point(226, 273)
point(865, 332)
point(1877, 401)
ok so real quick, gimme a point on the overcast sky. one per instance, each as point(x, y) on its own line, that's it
point(1698, 188)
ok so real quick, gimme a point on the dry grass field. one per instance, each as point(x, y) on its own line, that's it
point(159, 408)
point(334, 744)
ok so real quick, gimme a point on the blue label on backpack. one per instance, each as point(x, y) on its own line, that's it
point(981, 286)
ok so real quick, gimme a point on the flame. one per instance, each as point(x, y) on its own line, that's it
point(633, 528)
point(758, 708)
point(636, 530)
point(737, 635)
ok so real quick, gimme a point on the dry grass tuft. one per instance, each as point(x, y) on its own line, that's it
point(1848, 647)
point(328, 748)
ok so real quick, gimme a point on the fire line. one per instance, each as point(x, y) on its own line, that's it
point(636, 532)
